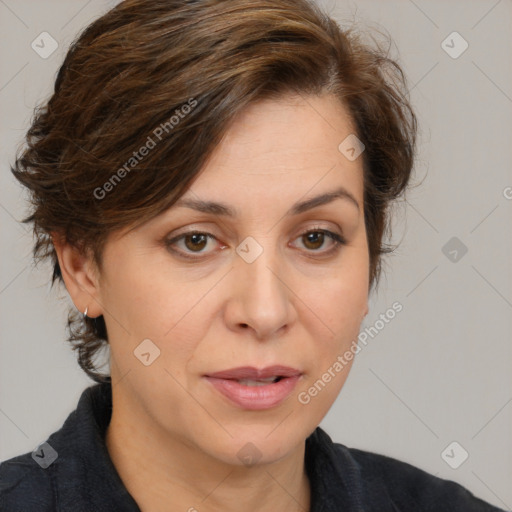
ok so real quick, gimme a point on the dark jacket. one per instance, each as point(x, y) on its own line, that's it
point(72, 471)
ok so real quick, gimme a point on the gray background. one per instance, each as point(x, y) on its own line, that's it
point(440, 370)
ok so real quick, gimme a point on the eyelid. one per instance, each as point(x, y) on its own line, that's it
point(338, 240)
point(168, 242)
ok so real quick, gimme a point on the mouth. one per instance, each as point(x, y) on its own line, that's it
point(255, 389)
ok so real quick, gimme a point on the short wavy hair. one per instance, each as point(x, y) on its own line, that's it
point(141, 63)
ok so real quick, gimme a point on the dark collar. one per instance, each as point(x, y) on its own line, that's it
point(85, 473)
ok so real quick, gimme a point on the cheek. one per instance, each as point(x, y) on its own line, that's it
point(339, 299)
point(147, 305)
point(171, 310)
point(321, 389)
point(339, 311)
point(339, 304)
point(142, 294)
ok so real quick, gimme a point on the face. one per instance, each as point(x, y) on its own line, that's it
point(272, 284)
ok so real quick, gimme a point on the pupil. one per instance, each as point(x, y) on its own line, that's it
point(195, 239)
point(315, 238)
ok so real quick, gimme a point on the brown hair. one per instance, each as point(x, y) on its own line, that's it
point(187, 68)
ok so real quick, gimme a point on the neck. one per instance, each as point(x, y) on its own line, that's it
point(161, 470)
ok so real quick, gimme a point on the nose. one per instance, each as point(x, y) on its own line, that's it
point(260, 299)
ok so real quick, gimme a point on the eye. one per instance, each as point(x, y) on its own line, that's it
point(196, 241)
point(315, 238)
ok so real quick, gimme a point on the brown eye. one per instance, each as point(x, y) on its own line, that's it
point(313, 240)
point(195, 242)
point(190, 243)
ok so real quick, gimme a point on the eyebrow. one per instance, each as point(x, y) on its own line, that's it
point(215, 208)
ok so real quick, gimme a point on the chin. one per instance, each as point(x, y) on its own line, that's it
point(252, 446)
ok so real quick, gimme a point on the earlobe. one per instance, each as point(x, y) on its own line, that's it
point(79, 277)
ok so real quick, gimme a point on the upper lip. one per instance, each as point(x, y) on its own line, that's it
point(249, 372)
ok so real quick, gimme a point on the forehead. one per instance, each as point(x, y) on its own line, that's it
point(278, 159)
point(279, 130)
point(280, 150)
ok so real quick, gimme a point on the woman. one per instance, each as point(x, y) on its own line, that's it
point(211, 181)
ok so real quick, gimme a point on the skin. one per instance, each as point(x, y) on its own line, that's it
point(173, 438)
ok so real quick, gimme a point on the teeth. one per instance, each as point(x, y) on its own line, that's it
point(260, 382)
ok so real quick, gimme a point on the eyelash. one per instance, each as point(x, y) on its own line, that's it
point(338, 240)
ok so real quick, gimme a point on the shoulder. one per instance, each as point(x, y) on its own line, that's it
point(363, 480)
point(25, 486)
point(409, 487)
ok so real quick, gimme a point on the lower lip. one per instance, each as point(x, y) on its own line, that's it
point(255, 397)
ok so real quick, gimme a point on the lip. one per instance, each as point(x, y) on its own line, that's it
point(255, 397)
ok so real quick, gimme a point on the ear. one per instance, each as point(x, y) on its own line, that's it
point(80, 277)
